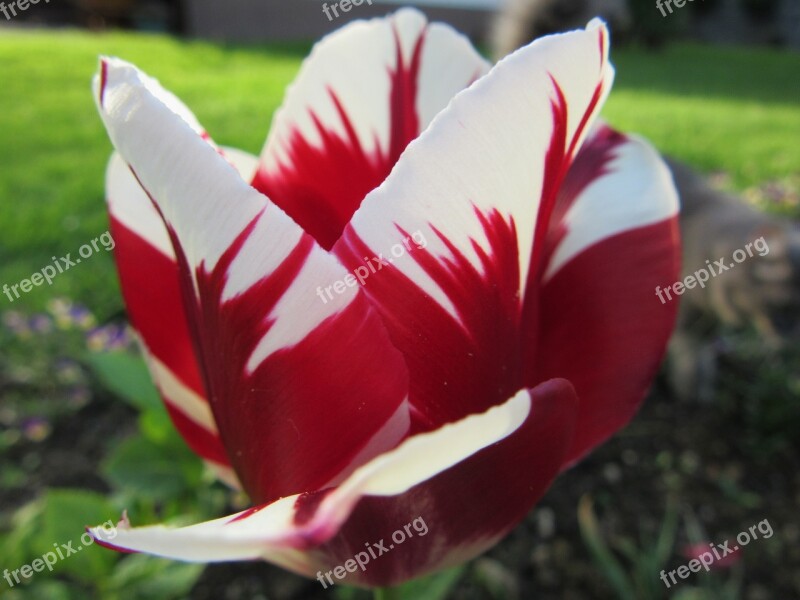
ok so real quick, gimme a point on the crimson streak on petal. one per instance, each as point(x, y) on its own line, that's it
point(304, 412)
point(462, 365)
point(468, 507)
point(321, 186)
point(591, 163)
point(157, 313)
point(552, 205)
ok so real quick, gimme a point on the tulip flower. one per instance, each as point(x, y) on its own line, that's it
point(517, 330)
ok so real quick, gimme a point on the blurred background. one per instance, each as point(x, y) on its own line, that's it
point(715, 84)
point(774, 22)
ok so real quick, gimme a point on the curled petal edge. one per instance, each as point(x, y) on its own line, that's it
point(284, 531)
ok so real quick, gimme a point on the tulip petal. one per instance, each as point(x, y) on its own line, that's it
point(298, 522)
point(304, 532)
point(614, 237)
point(245, 163)
point(144, 254)
point(475, 186)
point(301, 390)
point(363, 94)
point(471, 506)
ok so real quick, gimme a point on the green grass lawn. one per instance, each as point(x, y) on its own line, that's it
point(719, 108)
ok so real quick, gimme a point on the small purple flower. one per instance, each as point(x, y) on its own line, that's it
point(68, 314)
point(41, 323)
point(16, 323)
point(36, 429)
point(114, 336)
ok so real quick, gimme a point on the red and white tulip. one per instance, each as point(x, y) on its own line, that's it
point(463, 377)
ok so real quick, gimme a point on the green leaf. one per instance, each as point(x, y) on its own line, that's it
point(16, 547)
point(156, 426)
point(127, 377)
point(66, 514)
point(141, 577)
point(157, 471)
point(344, 592)
point(605, 559)
point(49, 590)
point(666, 537)
point(433, 587)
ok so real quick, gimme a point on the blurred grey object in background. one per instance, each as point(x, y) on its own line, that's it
point(269, 20)
point(761, 291)
point(520, 21)
point(760, 22)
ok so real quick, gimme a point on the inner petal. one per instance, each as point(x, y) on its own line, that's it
point(364, 93)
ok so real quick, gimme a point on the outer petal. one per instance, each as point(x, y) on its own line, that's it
point(461, 479)
point(301, 391)
point(613, 239)
point(144, 254)
point(365, 92)
point(475, 187)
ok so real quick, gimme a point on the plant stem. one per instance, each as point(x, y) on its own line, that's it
point(388, 594)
